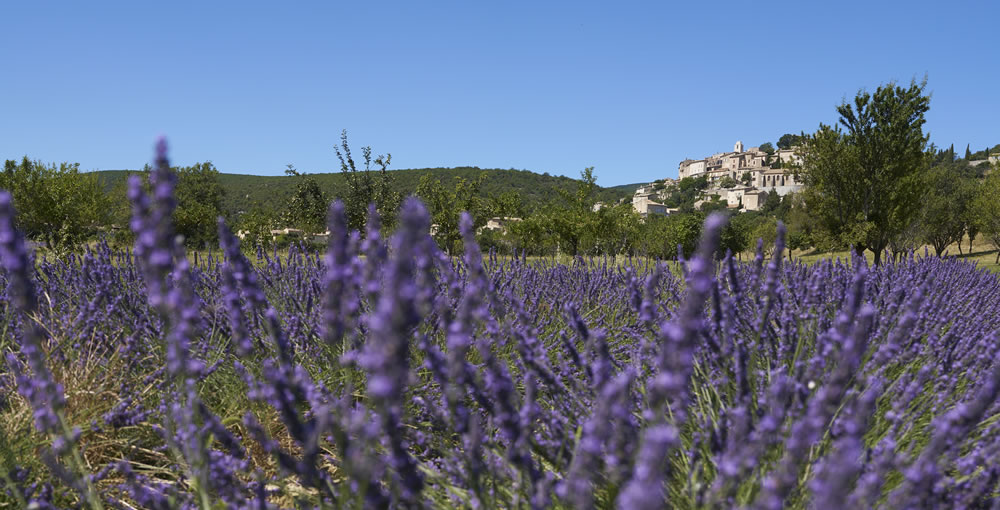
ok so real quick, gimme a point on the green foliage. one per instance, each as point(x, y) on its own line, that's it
point(57, 204)
point(366, 187)
point(767, 147)
point(570, 217)
point(986, 209)
point(714, 203)
point(244, 192)
point(308, 206)
point(729, 182)
point(865, 182)
point(771, 203)
point(985, 153)
point(686, 193)
point(255, 226)
point(505, 205)
point(446, 203)
point(944, 213)
point(199, 204)
point(663, 235)
point(788, 140)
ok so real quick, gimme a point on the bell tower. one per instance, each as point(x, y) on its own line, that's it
point(738, 147)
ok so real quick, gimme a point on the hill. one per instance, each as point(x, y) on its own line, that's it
point(243, 192)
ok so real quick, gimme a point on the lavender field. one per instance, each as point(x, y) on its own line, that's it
point(386, 374)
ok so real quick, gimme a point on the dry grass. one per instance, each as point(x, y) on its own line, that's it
point(983, 254)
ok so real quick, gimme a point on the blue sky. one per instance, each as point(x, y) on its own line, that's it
point(630, 88)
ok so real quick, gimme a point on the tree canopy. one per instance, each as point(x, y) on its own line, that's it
point(863, 176)
point(57, 204)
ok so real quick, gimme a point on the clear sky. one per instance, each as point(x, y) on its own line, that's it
point(630, 88)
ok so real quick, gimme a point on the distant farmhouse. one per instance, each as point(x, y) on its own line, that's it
point(742, 178)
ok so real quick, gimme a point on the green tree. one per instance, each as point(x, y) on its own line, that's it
point(662, 235)
point(788, 140)
point(865, 181)
point(255, 226)
point(199, 203)
point(728, 182)
point(533, 235)
point(307, 207)
point(771, 203)
point(987, 209)
point(735, 236)
point(366, 187)
point(615, 230)
point(57, 204)
point(446, 203)
point(686, 192)
point(969, 215)
point(506, 205)
point(767, 147)
point(943, 213)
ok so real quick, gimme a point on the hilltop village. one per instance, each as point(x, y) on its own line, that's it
point(742, 178)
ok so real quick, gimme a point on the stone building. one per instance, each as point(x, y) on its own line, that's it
point(750, 168)
point(737, 164)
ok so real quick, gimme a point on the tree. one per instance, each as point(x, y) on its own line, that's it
point(788, 140)
point(662, 235)
point(735, 236)
point(864, 180)
point(366, 187)
point(505, 205)
point(715, 203)
point(686, 192)
point(767, 147)
point(308, 206)
point(968, 153)
point(56, 204)
point(199, 203)
point(969, 218)
point(570, 218)
point(255, 226)
point(771, 203)
point(614, 230)
point(766, 229)
point(446, 205)
point(987, 209)
point(943, 214)
point(728, 182)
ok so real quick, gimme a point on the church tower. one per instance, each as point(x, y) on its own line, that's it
point(738, 147)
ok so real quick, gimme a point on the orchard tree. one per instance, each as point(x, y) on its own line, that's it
point(199, 203)
point(863, 177)
point(307, 208)
point(56, 204)
point(447, 202)
point(572, 217)
point(944, 208)
point(987, 209)
point(255, 226)
point(366, 186)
